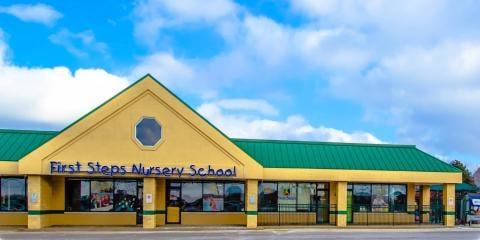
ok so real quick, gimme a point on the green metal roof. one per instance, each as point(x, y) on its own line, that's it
point(328, 155)
point(14, 144)
point(461, 187)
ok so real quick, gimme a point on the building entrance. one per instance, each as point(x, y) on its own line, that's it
point(173, 203)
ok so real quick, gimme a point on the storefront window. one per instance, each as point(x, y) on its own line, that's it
point(13, 194)
point(78, 195)
point(379, 198)
point(268, 197)
point(234, 197)
point(98, 195)
point(125, 196)
point(212, 197)
point(306, 194)
point(398, 198)
point(362, 197)
point(208, 196)
point(192, 196)
point(101, 195)
point(287, 197)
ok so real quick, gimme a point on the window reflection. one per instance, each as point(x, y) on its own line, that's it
point(78, 195)
point(234, 197)
point(148, 131)
point(125, 196)
point(13, 194)
point(192, 197)
point(83, 195)
point(212, 197)
point(268, 197)
point(208, 196)
point(380, 198)
point(101, 195)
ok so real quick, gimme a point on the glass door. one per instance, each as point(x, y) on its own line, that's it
point(349, 203)
point(140, 203)
point(174, 202)
point(323, 215)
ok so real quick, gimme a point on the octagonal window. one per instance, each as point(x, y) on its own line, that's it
point(148, 132)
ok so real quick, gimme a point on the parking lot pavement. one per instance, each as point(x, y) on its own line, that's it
point(276, 234)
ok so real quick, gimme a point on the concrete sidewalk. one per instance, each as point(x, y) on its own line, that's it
point(211, 229)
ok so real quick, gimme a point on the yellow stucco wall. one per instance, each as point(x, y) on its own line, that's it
point(149, 205)
point(424, 205)
point(192, 218)
point(341, 192)
point(449, 204)
point(8, 168)
point(105, 135)
point(251, 202)
point(370, 176)
point(13, 219)
point(93, 219)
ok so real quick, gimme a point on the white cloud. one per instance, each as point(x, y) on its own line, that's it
point(255, 105)
point(153, 15)
point(432, 94)
point(414, 66)
point(327, 48)
point(241, 125)
point(391, 23)
point(261, 50)
point(38, 13)
point(169, 70)
point(58, 96)
point(52, 95)
point(79, 43)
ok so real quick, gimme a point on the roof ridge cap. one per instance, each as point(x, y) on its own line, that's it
point(325, 143)
point(27, 131)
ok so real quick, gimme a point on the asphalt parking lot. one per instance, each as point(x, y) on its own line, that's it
point(370, 234)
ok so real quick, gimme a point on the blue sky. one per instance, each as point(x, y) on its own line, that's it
point(354, 71)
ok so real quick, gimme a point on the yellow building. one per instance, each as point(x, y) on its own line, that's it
point(146, 157)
